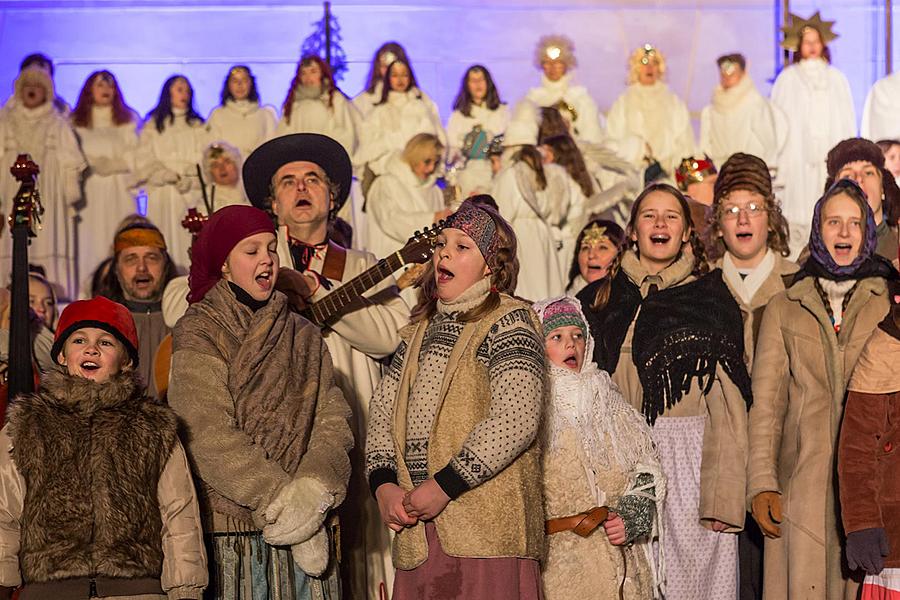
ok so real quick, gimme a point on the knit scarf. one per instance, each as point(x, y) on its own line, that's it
point(682, 333)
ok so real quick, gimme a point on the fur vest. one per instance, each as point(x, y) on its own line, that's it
point(91, 456)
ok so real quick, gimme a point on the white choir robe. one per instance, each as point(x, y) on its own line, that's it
point(109, 189)
point(658, 117)
point(740, 119)
point(179, 148)
point(244, 124)
point(816, 97)
point(313, 115)
point(399, 204)
point(47, 136)
point(365, 101)
point(588, 125)
point(391, 125)
point(476, 175)
point(536, 227)
point(356, 341)
point(881, 114)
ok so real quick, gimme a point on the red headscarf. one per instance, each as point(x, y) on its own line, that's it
point(220, 234)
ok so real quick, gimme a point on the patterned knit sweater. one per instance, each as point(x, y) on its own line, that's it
point(513, 353)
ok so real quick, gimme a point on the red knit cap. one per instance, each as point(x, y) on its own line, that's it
point(101, 313)
point(221, 233)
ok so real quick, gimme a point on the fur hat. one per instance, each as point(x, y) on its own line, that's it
point(555, 47)
point(101, 313)
point(854, 149)
point(34, 75)
point(851, 150)
point(743, 172)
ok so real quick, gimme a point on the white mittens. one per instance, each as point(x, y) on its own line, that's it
point(312, 555)
point(183, 185)
point(108, 165)
point(163, 176)
point(297, 512)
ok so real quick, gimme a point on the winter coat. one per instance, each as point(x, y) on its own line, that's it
point(800, 374)
point(753, 311)
point(223, 354)
point(869, 453)
point(724, 460)
point(79, 503)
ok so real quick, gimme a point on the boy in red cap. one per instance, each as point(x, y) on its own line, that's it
point(96, 498)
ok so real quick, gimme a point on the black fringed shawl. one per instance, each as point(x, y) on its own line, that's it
point(682, 332)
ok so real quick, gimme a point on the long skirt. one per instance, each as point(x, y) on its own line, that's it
point(244, 567)
point(700, 563)
point(445, 577)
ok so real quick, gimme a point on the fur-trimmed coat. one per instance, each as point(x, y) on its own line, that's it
point(77, 501)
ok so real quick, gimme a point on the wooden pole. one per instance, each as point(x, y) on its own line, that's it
point(888, 38)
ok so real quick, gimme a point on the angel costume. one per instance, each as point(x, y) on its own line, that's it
point(816, 97)
point(656, 115)
point(598, 451)
point(46, 135)
point(879, 119)
point(740, 119)
point(243, 124)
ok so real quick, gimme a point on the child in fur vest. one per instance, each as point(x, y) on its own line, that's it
point(96, 497)
point(452, 454)
point(601, 467)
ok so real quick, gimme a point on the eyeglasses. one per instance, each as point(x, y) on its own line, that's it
point(752, 209)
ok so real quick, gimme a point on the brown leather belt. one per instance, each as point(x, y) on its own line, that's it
point(85, 587)
point(583, 523)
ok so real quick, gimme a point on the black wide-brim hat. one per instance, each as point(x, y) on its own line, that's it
point(262, 164)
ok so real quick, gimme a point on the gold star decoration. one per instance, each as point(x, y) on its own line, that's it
point(793, 32)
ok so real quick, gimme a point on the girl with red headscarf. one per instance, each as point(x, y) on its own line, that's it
point(267, 427)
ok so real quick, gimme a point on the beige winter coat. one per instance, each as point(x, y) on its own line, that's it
point(182, 535)
point(800, 375)
point(753, 312)
point(723, 466)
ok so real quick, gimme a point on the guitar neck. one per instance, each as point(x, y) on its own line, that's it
point(334, 303)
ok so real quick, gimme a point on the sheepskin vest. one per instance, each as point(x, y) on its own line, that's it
point(91, 456)
point(503, 516)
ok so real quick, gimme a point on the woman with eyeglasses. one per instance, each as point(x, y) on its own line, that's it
point(748, 239)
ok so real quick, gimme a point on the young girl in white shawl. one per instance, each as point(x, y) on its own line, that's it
point(600, 468)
